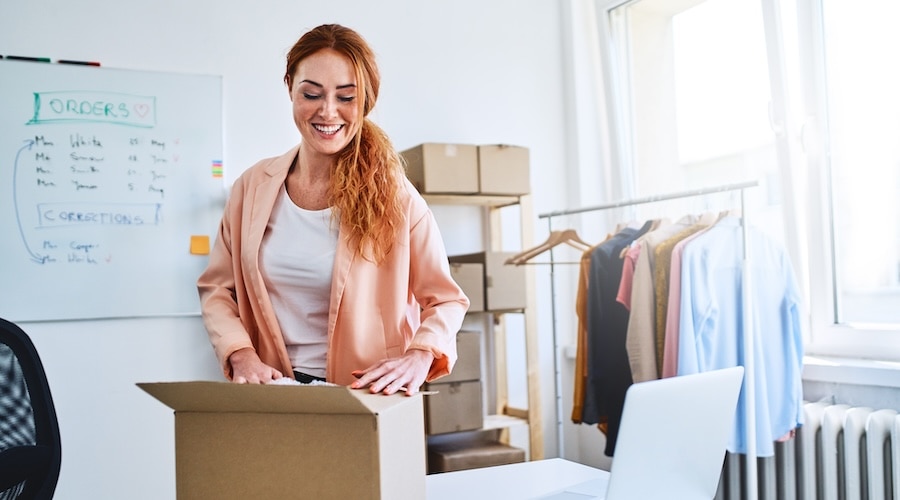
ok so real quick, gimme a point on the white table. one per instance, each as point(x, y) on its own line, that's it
point(539, 478)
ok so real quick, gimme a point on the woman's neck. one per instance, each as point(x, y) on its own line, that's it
point(312, 167)
point(309, 181)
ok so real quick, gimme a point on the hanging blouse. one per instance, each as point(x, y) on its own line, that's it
point(712, 327)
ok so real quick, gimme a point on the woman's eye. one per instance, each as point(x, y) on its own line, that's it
point(310, 97)
point(348, 98)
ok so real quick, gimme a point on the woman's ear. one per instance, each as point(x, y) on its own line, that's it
point(288, 82)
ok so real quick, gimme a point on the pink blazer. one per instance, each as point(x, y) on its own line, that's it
point(409, 301)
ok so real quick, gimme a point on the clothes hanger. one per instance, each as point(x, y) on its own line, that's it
point(555, 238)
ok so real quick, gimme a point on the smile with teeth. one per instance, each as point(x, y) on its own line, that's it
point(328, 129)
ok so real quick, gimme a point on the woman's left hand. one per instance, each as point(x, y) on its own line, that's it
point(406, 373)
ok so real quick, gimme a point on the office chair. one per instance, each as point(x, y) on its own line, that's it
point(30, 448)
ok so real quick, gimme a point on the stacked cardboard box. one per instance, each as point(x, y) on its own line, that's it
point(466, 454)
point(443, 168)
point(458, 407)
point(458, 404)
point(502, 286)
point(447, 168)
point(503, 169)
point(470, 277)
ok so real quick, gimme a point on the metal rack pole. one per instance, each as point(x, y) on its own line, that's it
point(652, 199)
point(749, 361)
point(557, 375)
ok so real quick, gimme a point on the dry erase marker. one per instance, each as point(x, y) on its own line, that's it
point(80, 63)
point(33, 59)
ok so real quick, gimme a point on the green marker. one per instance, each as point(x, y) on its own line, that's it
point(33, 59)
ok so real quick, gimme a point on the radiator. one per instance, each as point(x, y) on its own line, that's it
point(840, 453)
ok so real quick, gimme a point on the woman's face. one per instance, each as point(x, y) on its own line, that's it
point(324, 92)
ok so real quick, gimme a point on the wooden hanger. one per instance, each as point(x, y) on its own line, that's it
point(556, 238)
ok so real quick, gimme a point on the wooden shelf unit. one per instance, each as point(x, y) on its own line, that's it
point(505, 416)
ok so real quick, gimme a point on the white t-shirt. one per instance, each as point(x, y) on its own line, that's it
point(296, 259)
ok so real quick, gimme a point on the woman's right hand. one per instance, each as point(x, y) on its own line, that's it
point(247, 368)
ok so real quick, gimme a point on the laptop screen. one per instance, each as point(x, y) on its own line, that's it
point(672, 440)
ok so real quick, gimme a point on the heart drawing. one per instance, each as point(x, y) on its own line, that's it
point(141, 109)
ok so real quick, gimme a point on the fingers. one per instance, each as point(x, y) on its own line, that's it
point(404, 374)
point(247, 368)
point(248, 380)
point(261, 374)
point(378, 377)
point(394, 387)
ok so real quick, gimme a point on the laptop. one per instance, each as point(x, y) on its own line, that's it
point(672, 440)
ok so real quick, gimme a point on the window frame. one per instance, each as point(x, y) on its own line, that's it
point(828, 336)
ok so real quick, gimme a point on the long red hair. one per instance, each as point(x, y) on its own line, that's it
point(368, 173)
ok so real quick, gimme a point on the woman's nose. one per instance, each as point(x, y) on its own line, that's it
point(328, 109)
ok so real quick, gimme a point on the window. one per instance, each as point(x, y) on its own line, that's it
point(801, 97)
point(692, 87)
point(854, 146)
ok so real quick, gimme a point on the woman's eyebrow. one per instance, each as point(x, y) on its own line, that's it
point(317, 84)
point(339, 87)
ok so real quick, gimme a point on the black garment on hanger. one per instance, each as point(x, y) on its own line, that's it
point(609, 373)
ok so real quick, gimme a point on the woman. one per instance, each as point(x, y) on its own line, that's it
point(328, 264)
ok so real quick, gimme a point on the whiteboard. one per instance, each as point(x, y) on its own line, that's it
point(106, 176)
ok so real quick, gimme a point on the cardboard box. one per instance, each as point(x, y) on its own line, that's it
point(504, 285)
point(503, 169)
point(271, 441)
point(470, 277)
point(468, 362)
point(457, 406)
point(446, 457)
point(440, 168)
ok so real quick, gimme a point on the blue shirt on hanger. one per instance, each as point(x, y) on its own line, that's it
point(712, 325)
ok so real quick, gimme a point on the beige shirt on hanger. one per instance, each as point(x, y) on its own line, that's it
point(640, 340)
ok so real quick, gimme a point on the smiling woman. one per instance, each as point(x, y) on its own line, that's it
point(356, 286)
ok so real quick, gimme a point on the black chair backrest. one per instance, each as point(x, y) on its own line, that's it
point(30, 448)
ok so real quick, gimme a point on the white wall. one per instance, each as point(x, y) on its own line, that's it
point(453, 70)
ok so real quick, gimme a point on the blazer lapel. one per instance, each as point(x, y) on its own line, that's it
point(343, 260)
point(262, 202)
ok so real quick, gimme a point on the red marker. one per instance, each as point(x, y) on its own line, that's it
point(81, 63)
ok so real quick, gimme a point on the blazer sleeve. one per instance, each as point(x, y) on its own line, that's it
point(218, 285)
point(443, 303)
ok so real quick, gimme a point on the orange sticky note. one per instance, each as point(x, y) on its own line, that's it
point(199, 245)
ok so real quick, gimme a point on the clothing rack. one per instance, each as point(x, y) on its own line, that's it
point(749, 388)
